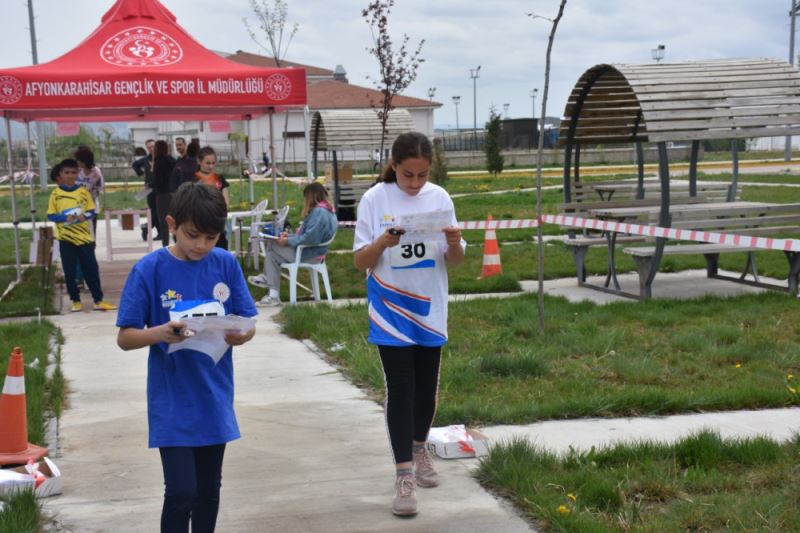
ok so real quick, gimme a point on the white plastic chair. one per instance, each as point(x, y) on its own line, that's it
point(314, 269)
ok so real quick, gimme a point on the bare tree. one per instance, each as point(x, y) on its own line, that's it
point(272, 21)
point(398, 68)
point(539, 239)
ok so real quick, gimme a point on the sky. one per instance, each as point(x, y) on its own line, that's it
point(498, 35)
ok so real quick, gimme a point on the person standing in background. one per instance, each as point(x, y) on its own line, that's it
point(90, 176)
point(162, 166)
point(186, 165)
point(207, 175)
point(143, 167)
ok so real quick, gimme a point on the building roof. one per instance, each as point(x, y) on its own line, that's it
point(325, 92)
point(332, 94)
point(344, 129)
point(694, 100)
point(256, 60)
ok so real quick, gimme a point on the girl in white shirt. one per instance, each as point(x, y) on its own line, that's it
point(407, 296)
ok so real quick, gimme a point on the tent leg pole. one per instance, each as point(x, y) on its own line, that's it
point(248, 125)
point(307, 131)
point(14, 220)
point(30, 177)
point(275, 204)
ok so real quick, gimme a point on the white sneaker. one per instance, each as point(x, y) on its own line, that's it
point(258, 281)
point(268, 301)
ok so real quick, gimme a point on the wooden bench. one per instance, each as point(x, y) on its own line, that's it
point(771, 220)
point(580, 243)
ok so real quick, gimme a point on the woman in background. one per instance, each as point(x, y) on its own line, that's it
point(162, 166)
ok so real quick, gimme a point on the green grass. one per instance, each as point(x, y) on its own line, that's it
point(763, 178)
point(29, 294)
point(7, 245)
point(701, 483)
point(22, 514)
point(34, 339)
point(621, 359)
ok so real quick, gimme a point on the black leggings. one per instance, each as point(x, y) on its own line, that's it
point(192, 479)
point(412, 385)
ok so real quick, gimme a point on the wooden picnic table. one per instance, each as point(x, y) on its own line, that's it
point(628, 213)
point(607, 190)
point(735, 217)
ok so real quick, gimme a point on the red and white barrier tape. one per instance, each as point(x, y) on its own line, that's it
point(763, 243)
point(499, 224)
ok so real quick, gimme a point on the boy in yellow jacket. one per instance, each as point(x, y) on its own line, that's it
point(71, 208)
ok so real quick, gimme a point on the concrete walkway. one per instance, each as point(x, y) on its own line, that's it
point(314, 454)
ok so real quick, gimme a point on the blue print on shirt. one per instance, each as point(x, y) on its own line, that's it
point(390, 304)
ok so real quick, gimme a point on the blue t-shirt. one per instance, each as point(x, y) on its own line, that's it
point(189, 398)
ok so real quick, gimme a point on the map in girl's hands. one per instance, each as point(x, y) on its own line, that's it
point(424, 226)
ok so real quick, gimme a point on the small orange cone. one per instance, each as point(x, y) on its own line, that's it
point(491, 254)
point(14, 446)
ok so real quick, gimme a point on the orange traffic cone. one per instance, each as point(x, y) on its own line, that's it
point(491, 254)
point(14, 446)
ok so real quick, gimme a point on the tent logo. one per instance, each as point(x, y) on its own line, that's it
point(279, 87)
point(10, 90)
point(141, 47)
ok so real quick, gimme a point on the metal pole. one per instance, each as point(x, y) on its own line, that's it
point(250, 178)
point(30, 183)
point(275, 204)
point(475, 74)
point(307, 130)
point(14, 220)
point(39, 125)
point(787, 150)
point(475, 111)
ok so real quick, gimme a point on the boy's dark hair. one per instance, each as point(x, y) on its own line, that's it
point(85, 155)
point(65, 163)
point(407, 145)
point(202, 205)
point(139, 152)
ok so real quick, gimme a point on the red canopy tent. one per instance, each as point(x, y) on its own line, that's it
point(140, 64)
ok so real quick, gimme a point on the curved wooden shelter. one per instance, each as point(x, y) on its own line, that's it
point(678, 102)
point(691, 101)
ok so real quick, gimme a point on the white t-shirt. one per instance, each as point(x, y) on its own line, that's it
point(407, 288)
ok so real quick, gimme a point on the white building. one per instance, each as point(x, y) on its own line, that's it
point(327, 89)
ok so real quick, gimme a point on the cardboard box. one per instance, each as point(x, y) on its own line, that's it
point(18, 479)
point(478, 446)
point(128, 221)
point(345, 173)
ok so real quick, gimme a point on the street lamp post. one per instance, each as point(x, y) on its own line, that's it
point(658, 53)
point(533, 93)
point(456, 101)
point(431, 93)
point(474, 73)
point(505, 109)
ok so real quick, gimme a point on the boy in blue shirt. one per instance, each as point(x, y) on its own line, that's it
point(189, 398)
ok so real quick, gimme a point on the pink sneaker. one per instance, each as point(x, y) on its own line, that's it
point(405, 498)
point(424, 472)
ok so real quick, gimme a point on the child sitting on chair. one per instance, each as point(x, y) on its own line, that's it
point(319, 225)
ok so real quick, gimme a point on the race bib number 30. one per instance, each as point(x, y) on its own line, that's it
point(414, 255)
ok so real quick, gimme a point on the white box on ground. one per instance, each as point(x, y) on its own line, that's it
point(18, 479)
point(457, 442)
